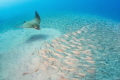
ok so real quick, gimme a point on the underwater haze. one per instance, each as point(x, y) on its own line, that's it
point(108, 8)
point(59, 39)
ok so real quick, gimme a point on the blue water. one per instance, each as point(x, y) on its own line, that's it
point(106, 8)
point(98, 24)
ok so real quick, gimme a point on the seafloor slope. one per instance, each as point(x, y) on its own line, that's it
point(78, 47)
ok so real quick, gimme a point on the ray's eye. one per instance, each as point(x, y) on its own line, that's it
point(32, 25)
point(24, 21)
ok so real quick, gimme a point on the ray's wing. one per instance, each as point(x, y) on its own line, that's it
point(37, 17)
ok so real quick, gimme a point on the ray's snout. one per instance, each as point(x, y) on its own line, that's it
point(38, 28)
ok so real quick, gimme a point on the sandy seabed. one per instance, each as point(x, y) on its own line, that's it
point(69, 47)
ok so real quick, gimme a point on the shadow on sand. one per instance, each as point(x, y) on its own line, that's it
point(37, 37)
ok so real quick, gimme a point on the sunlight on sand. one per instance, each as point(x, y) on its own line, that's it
point(88, 53)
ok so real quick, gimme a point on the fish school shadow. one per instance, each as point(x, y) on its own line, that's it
point(37, 37)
